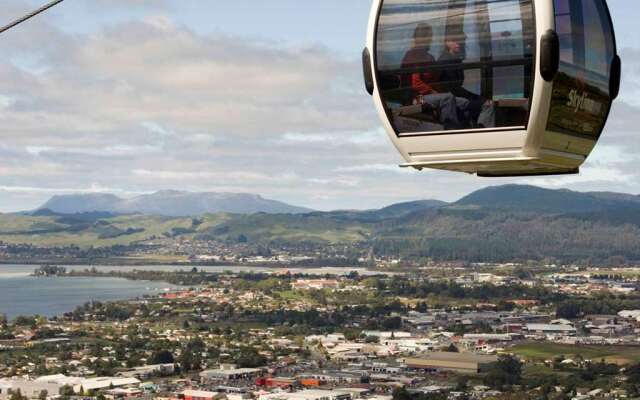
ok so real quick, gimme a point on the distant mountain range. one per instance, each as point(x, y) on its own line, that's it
point(495, 224)
point(173, 203)
point(170, 203)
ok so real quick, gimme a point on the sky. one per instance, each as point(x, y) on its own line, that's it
point(266, 97)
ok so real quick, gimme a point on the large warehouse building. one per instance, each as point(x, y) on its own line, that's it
point(467, 363)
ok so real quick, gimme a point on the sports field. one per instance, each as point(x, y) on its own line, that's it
point(544, 351)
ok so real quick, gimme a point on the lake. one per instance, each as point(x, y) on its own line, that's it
point(21, 294)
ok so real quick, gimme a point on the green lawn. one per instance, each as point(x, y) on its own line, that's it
point(544, 351)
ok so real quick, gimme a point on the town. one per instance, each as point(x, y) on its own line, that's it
point(437, 332)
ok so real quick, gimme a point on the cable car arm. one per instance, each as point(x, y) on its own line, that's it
point(30, 15)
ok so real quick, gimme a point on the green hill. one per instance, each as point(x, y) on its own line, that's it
point(498, 224)
point(530, 198)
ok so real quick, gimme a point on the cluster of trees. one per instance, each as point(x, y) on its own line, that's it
point(598, 304)
point(404, 394)
point(50, 270)
point(24, 251)
point(190, 277)
point(420, 288)
point(370, 316)
point(504, 373)
point(100, 311)
point(583, 374)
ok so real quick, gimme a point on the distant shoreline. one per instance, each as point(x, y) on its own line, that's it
point(79, 268)
point(124, 263)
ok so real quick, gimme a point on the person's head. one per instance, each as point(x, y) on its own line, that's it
point(423, 36)
point(455, 39)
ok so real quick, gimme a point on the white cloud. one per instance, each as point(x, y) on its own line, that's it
point(369, 168)
point(6, 101)
point(94, 188)
point(369, 138)
point(156, 128)
point(593, 175)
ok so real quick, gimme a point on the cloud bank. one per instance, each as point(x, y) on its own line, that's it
point(147, 104)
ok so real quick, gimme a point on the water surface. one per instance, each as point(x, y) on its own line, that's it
point(21, 294)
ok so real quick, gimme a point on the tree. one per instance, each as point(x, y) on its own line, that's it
point(452, 349)
point(17, 395)
point(568, 310)
point(161, 357)
point(506, 372)
point(372, 339)
point(23, 320)
point(392, 323)
point(404, 394)
point(401, 394)
point(248, 357)
point(191, 357)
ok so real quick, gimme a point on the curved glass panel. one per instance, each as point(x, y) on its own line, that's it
point(446, 65)
point(581, 101)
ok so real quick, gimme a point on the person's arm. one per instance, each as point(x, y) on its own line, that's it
point(420, 82)
point(460, 91)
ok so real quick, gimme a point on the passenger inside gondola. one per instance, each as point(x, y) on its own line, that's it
point(423, 81)
point(462, 67)
point(481, 111)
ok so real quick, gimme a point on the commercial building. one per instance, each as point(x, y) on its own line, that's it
point(550, 329)
point(29, 389)
point(52, 384)
point(230, 372)
point(311, 394)
point(148, 371)
point(466, 363)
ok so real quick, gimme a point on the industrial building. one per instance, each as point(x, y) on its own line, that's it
point(466, 363)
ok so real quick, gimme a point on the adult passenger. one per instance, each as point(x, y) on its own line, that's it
point(423, 82)
point(481, 111)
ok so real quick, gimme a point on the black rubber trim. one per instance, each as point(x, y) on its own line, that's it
point(518, 129)
point(507, 175)
point(367, 71)
point(616, 74)
point(607, 11)
point(549, 55)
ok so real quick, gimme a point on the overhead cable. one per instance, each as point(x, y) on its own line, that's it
point(30, 15)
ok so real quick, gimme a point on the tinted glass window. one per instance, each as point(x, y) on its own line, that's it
point(455, 65)
point(581, 100)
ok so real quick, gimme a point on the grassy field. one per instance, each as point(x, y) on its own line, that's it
point(50, 231)
point(545, 351)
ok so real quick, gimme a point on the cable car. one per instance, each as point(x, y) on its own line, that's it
point(493, 87)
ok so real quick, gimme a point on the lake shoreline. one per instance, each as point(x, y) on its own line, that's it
point(151, 263)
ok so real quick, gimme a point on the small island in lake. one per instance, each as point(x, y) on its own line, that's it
point(50, 270)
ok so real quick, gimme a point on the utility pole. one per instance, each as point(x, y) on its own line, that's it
point(30, 15)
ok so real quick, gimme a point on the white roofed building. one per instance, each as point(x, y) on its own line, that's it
point(550, 329)
point(315, 394)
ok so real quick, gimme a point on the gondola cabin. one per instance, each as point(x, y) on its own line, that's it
point(493, 87)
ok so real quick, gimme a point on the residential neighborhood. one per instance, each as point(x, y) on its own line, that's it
point(437, 331)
